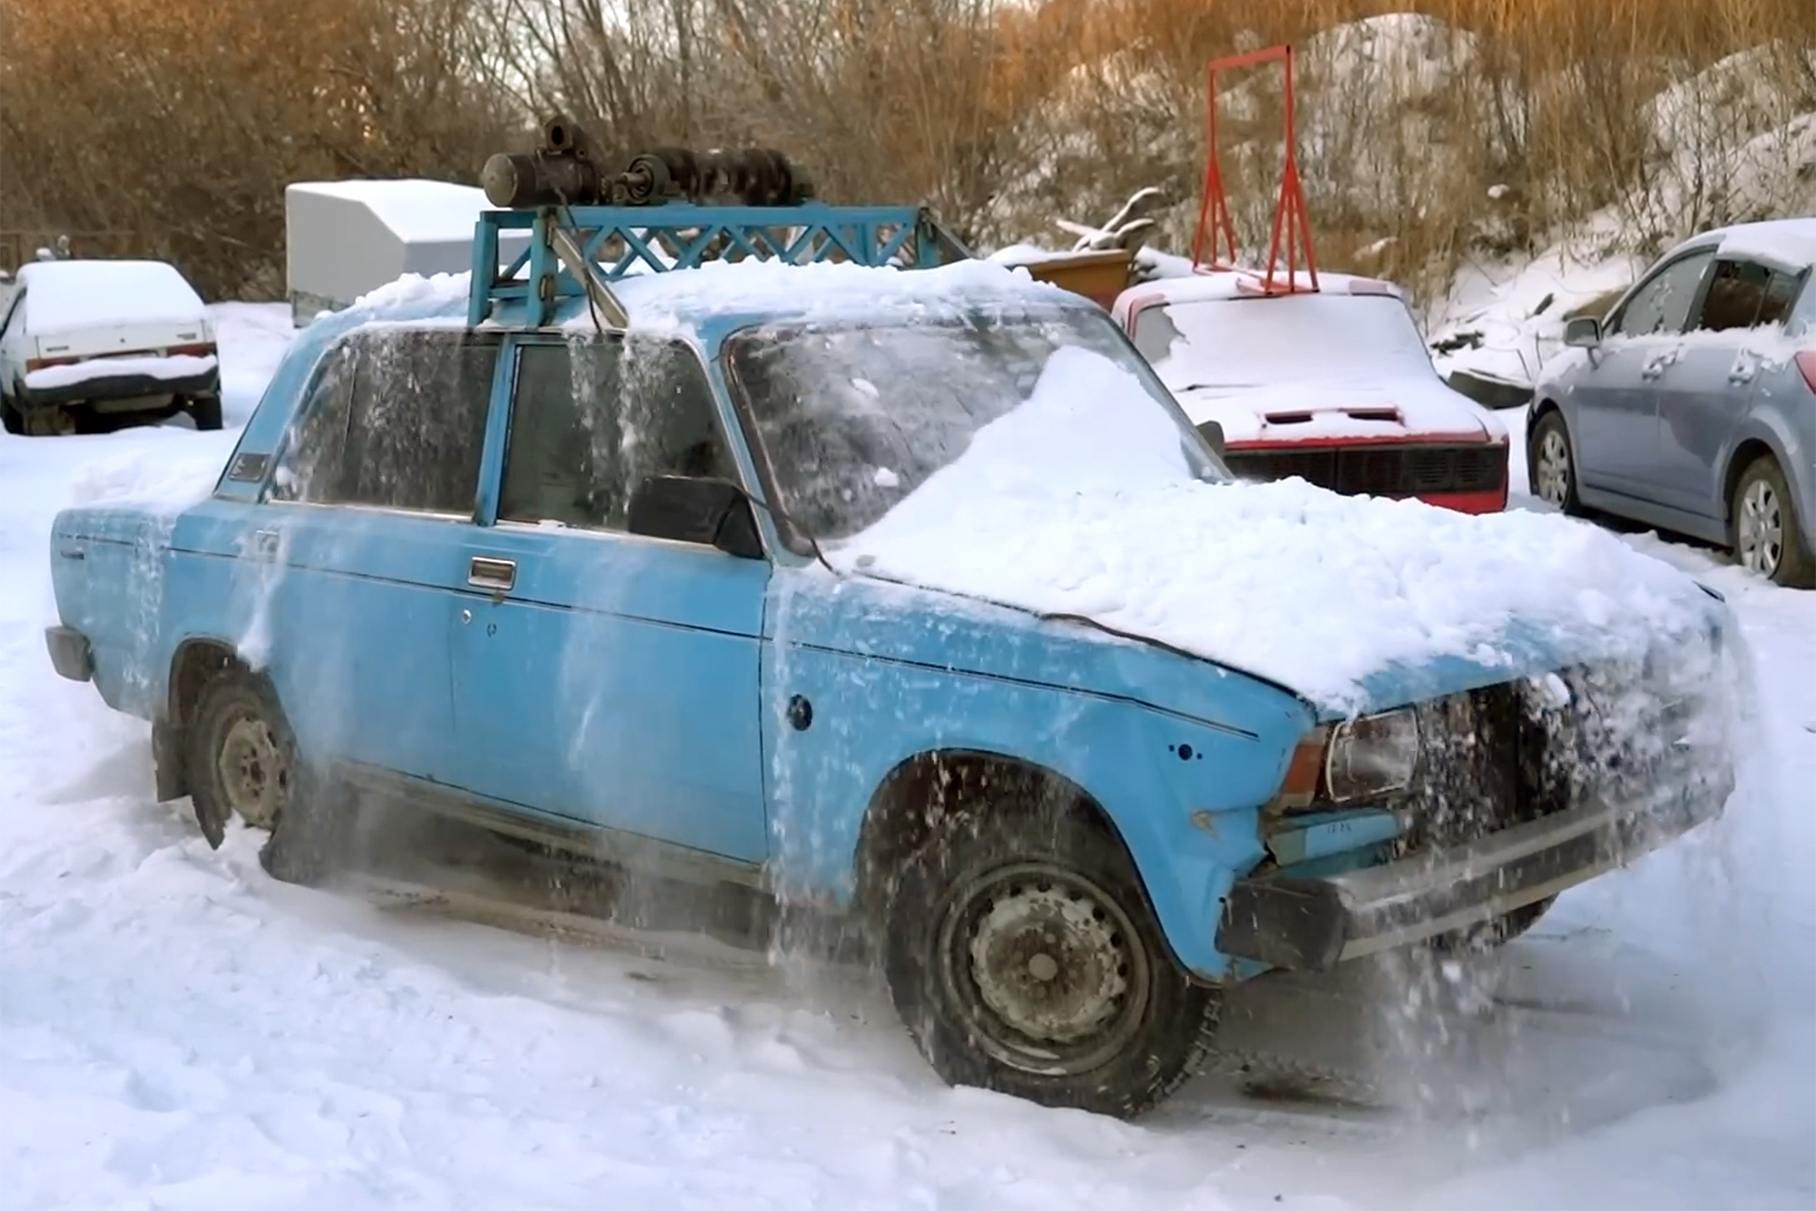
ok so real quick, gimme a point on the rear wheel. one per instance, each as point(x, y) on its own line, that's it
point(206, 409)
point(242, 760)
point(51, 420)
point(10, 418)
point(1550, 466)
point(1022, 956)
point(1763, 527)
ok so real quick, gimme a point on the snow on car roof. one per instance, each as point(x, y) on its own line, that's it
point(722, 288)
point(65, 295)
point(420, 210)
point(1790, 243)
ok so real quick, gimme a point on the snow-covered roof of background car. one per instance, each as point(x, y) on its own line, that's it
point(66, 295)
point(1789, 243)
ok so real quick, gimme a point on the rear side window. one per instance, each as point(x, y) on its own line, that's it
point(590, 418)
point(1781, 297)
point(1662, 305)
point(417, 421)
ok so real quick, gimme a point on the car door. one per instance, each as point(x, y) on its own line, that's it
point(1703, 402)
point(600, 676)
point(1615, 397)
point(359, 550)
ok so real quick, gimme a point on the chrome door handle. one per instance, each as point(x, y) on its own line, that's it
point(265, 544)
point(498, 575)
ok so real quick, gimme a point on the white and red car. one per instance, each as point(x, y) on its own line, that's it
point(85, 345)
point(1332, 384)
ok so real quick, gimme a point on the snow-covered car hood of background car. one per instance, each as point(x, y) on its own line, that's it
point(1073, 506)
point(1401, 409)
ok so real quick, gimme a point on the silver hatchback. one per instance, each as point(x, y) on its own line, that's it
point(1692, 406)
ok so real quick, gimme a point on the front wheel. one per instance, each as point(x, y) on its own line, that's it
point(1550, 465)
point(1763, 527)
point(1023, 957)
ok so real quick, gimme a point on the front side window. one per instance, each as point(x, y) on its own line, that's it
point(590, 418)
point(1781, 296)
point(1662, 305)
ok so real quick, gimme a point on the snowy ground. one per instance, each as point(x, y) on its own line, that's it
point(176, 1030)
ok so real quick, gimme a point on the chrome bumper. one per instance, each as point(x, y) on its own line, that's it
point(1310, 924)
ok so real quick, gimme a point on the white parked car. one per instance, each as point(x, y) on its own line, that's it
point(84, 344)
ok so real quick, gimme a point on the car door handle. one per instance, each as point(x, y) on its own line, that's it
point(265, 544)
point(484, 572)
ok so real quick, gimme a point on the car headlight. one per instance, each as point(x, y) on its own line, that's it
point(1372, 756)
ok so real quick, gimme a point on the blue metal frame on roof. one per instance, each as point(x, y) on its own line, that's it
point(617, 240)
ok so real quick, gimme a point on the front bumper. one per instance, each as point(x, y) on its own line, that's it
point(1310, 924)
point(70, 653)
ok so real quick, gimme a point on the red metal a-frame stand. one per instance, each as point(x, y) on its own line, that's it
point(1291, 224)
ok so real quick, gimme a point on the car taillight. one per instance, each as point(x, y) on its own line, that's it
point(45, 363)
point(193, 350)
point(1806, 362)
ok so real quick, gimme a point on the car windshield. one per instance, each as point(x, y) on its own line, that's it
point(853, 417)
point(1295, 338)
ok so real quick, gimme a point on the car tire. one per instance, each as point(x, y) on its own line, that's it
point(241, 759)
point(1099, 1016)
point(206, 410)
point(11, 419)
point(1492, 934)
point(1551, 464)
point(1763, 529)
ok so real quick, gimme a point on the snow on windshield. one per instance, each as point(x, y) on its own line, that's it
point(1070, 505)
point(64, 295)
point(1258, 342)
point(854, 418)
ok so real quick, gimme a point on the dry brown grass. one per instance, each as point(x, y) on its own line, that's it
point(181, 120)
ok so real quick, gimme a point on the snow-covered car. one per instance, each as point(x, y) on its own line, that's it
point(1333, 385)
point(86, 343)
point(907, 600)
point(1692, 406)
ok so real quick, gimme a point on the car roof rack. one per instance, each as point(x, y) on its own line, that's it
point(577, 251)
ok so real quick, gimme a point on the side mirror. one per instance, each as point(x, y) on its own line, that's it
point(1583, 332)
point(1213, 433)
point(711, 512)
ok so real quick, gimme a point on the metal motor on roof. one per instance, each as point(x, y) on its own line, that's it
point(571, 169)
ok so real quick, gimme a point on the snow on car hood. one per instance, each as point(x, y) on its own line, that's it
point(1075, 504)
point(1400, 408)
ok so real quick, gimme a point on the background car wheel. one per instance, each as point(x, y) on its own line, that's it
point(1550, 467)
point(1022, 956)
point(1491, 935)
point(10, 418)
point(1763, 527)
point(206, 409)
point(52, 420)
point(242, 760)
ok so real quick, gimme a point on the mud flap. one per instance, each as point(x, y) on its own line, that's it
point(167, 761)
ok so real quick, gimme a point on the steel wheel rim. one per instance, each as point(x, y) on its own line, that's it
point(1761, 528)
point(1048, 968)
point(254, 771)
point(1553, 468)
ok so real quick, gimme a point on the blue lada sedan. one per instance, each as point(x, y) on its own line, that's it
point(659, 593)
